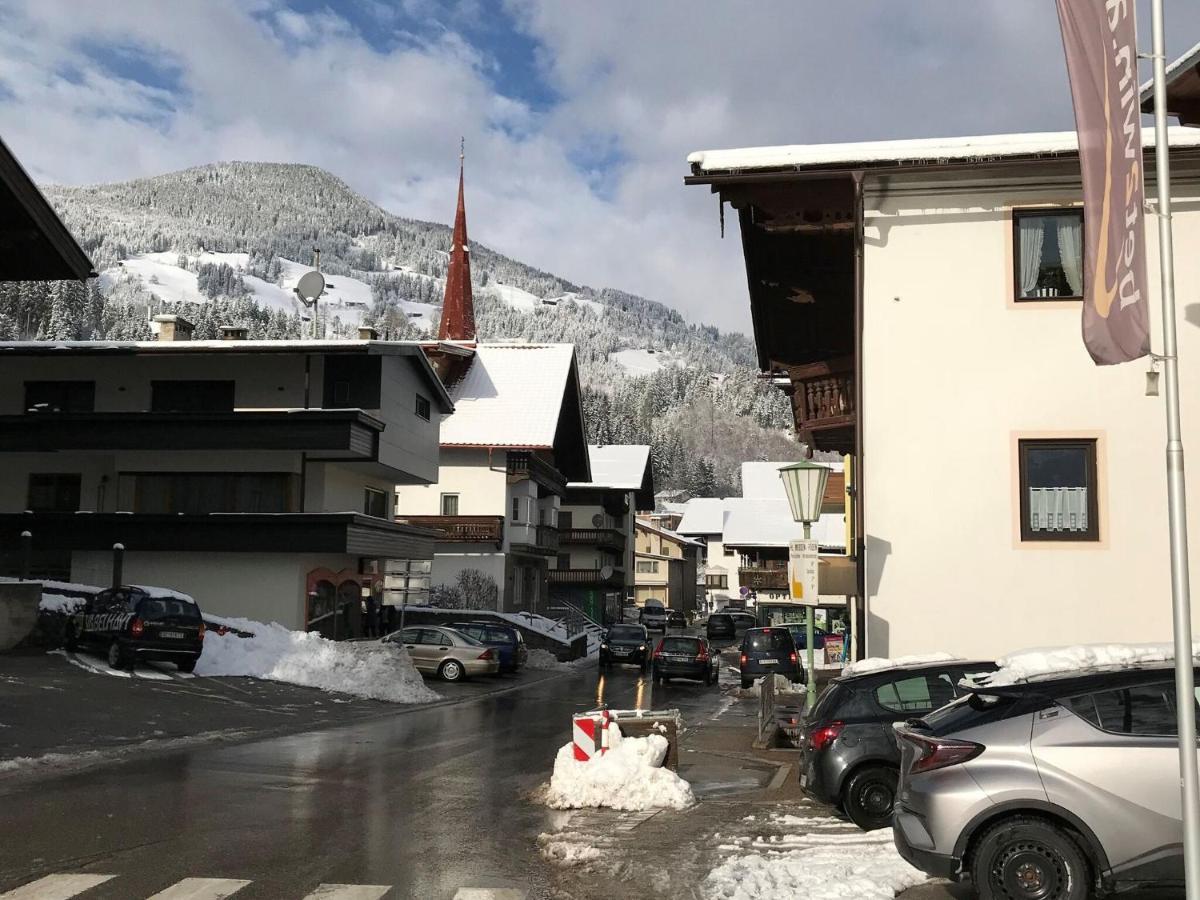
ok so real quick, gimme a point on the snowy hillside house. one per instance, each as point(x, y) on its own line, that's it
point(594, 567)
point(509, 447)
point(256, 476)
point(665, 566)
point(920, 302)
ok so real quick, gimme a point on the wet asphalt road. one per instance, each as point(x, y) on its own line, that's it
point(429, 801)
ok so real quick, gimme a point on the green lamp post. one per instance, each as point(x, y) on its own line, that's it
point(804, 483)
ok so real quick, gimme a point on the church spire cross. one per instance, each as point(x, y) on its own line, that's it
point(458, 306)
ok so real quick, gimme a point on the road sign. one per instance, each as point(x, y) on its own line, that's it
point(803, 564)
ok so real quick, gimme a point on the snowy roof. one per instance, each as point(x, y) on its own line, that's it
point(703, 515)
point(922, 151)
point(1189, 60)
point(511, 396)
point(768, 522)
point(667, 533)
point(761, 479)
point(620, 466)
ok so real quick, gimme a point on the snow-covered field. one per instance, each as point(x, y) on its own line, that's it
point(628, 777)
point(643, 362)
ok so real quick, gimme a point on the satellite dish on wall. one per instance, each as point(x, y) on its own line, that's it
point(606, 572)
point(597, 520)
point(310, 286)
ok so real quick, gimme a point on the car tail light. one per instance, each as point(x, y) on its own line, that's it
point(820, 738)
point(136, 627)
point(203, 629)
point(702, 656)
point(486, 654)
point(745, 659)
point(658, 650)
point(938, 753)
point(795, 658)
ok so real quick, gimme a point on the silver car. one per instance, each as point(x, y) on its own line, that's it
point(449, 654)
point(1049, 789)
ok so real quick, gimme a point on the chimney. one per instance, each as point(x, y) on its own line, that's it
point(233, 332)
point(170, 327)
point(367, 333)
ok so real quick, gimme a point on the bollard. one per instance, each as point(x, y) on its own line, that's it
point(118, 564)
point(26, 553)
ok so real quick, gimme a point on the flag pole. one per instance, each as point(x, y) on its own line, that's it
point(1185, 698)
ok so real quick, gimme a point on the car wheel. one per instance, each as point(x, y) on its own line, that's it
point(869, 796)
point(116, 656)
point(1025, 858)
point(452, 670)
point(187, 665)
point(746, 682)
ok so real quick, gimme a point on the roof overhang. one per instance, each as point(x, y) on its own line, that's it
point(1183, 89)
point(35, 245)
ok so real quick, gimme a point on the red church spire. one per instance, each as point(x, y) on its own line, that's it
point(458, 307)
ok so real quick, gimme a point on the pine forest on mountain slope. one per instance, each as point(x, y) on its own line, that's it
point(703, 412)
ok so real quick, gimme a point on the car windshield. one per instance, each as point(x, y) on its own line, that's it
point(720, 619)
point(681, 645)
point(770, 639)
point(625, 633)
point(156, 609)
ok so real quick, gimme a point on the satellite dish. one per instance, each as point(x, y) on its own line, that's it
point(310, 286)
point(606, 572)
point(597, 520)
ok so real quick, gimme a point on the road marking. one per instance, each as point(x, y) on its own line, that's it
point(490, 894)
point(349, 892)
point(56, 887)
point(201, 889)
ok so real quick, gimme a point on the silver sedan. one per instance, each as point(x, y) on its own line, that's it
point(449, 654)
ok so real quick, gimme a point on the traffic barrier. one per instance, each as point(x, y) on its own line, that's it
point(589, 733)
point(590, 730)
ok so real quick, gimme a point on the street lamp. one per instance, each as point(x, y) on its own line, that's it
point(804, 483)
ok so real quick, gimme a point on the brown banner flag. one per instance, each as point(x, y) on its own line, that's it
point(1101, 47)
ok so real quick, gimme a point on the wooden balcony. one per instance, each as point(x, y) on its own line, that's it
point(764, 579)
point(586, 578)
point(823, 403)
point(544, 539)
point(462, 529)
point(609, 538)
point(522, 464)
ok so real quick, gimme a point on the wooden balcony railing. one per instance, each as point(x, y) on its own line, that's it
point(463, 529)
point(599, 537)
point(824, 395)
point(586, 577)
point(764, 579)
point(523, 464)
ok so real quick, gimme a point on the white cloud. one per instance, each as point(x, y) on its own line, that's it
point(651, 81)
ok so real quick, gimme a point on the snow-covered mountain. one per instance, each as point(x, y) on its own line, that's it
point(227, 242)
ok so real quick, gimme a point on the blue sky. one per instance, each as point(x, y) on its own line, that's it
point(578, 115)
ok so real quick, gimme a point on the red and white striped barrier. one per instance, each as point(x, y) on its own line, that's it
point(589, 733)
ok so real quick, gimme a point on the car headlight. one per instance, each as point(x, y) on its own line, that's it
point(643, 647)
point(604, 646)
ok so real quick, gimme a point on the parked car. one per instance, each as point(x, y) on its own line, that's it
point(720, 626)
point(654, 616)
point(445, 652)
point(676, 619)
point(625, 644)
point(507, 641)
point(849, 755)
point(769, 651)
point(1050, 788)
point(800, 636)
point(131, 623)
point(685, 657)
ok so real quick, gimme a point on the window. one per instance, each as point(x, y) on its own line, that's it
point(214, 492)
point(191, 396)
point(352, 381)
point(53, 493)
point(516, 512)
point(60, 396)
point(1048, 254)
point(565, 519)
point(423, 407)
point(449, 504)
point(1142, 709)
point(647, 565)
point(375, 503)
point(1058, 490)
point(920, 693)
point(720, 582)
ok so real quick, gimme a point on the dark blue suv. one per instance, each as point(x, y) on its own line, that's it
point(769, 651)
point(507, 641)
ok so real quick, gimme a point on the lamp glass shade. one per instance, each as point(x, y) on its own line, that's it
point(804, 483)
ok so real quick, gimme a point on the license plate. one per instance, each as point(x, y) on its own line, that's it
point(622, 652)
point(768, 662)
point(803, 779)
point(179, 635)
point(678, 657)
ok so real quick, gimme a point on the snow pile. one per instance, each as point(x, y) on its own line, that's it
point(367, 669)
point(544, 659)
point(834, 866)
point(877, 663)
point(576, 849)
point(629, 777)
point(1040, 661)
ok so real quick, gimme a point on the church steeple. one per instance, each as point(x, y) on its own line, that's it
point(458, 307)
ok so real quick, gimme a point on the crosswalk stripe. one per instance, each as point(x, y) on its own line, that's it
point(201, 889)
point(349, 892)
point(56, 887)
point(490, 894)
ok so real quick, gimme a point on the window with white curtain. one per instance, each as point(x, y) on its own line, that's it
point(1048, 254)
